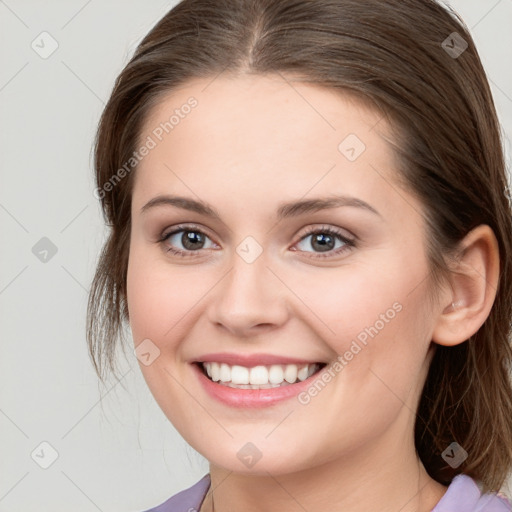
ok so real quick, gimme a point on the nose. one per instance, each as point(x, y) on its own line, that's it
point(249, 300)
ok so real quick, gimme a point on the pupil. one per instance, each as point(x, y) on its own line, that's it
point(190, 239)
point(325, 242)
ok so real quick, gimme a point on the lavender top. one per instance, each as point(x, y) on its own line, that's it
point(462, 495)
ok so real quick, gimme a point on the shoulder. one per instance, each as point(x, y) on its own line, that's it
point(464, 495)
point(188, 500)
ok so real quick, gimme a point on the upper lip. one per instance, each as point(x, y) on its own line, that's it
point(251, 360)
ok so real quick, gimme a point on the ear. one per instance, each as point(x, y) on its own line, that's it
point(472, 288)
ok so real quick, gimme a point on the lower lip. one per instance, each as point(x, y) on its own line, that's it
point(244, 398)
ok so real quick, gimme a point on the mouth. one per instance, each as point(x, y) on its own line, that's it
point(260, 376)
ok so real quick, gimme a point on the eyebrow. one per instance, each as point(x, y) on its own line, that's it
point(285, 210)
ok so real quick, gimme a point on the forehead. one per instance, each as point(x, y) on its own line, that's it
point(270, 132)
point(263, 106)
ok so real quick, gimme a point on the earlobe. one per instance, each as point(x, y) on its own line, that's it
point(473, 284)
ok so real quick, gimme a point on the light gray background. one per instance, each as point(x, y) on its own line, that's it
point(116, 450)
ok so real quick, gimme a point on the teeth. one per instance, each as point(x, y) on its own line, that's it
point(258, 377)
point(224, 373)
point(275, 374)
point(290, 373)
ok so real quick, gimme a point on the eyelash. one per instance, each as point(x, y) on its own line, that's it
point(349, 244)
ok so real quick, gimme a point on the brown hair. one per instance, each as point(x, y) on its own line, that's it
point(391, 53)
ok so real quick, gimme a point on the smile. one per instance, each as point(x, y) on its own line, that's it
point(258, 377)
point(237, 386)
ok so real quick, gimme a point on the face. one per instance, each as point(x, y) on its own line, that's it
point(274, 276)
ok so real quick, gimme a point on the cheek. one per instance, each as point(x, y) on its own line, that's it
point(380, 333)
point(344, 302)
point(159, 297)
point(159, 304)
point(372, 315)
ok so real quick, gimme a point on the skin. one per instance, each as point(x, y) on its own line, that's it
point(251, 144)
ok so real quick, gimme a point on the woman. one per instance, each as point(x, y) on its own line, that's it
point(311, 236)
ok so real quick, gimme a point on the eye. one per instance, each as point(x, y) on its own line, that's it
point(188, 241)
point(324, 240)
point(185, 240)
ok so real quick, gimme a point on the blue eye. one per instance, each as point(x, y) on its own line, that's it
point(324, 240)
point(192, 240)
